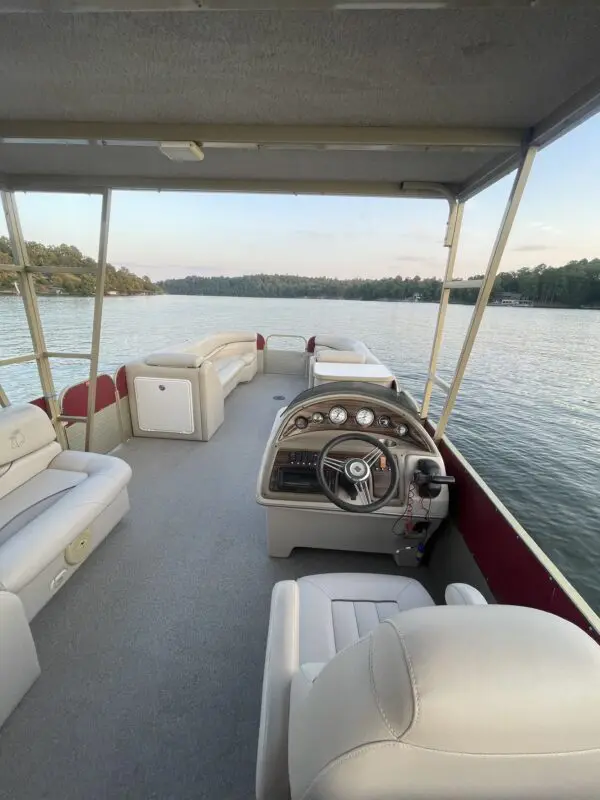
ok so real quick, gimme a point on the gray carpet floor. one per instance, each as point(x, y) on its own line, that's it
point(152, 654)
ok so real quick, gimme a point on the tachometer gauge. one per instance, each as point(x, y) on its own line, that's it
point(401, 430)
point(365, 417)
point(338, 415)
point(301, 422)
point(317, 417)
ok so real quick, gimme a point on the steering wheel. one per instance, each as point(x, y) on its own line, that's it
point(357, 471)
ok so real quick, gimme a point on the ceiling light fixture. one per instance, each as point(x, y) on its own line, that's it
point(181, 151)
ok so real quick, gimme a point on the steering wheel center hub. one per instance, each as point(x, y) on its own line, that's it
point(356, 470)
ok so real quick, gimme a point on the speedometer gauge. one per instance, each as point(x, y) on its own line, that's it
point(365, 417)
point(338, 415)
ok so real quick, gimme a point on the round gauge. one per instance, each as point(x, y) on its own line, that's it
point(401, 430)
point(301, 422)
point(317, 417)
point(365, 417)
point(338, 415)
point(384, 421)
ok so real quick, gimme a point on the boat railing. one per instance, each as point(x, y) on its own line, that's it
point(287, 359)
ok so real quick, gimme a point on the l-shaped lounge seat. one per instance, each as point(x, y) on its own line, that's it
point(179, 392)
point(342, 350)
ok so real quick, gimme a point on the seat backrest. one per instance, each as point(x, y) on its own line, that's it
point(27, 445)
point(340, 356)
point(193, 353)
point(346, 343)
point(466, 701)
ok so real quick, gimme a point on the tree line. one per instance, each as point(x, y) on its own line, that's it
point(121, 281)
point(573, 285)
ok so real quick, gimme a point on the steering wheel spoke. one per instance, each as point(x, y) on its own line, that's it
point(373, 456)
point(364, 495)
point(334, 463)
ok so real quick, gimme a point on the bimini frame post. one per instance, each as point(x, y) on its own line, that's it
point(97, 324)
point(32, 311)
point(41, 355)
point(504, 230)
point(451, 241)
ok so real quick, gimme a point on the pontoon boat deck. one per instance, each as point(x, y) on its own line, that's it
point(418, 643)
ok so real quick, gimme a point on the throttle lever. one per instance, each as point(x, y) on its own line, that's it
point(422, 478)
point(428, 479)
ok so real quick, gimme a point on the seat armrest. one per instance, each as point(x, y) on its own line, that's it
point(462, 594)
point(281, 664)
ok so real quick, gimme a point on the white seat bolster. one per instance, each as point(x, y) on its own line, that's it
point(281, 664)
point(19, 666)
point(462, 594)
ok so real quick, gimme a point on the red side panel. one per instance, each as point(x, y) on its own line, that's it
point(41, 403)
point(75, 398)
point(260, 341)
point(310, 345)
point(121, 382)
point(513, 573)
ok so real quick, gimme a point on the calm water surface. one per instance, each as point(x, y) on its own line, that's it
point(527, 417)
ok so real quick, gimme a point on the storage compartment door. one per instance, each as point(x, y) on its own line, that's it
point(164, 405)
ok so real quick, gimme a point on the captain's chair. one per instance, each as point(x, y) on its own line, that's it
point(311, 620)
point(472, 701)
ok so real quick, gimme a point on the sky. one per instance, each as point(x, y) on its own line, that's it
point(173, 234)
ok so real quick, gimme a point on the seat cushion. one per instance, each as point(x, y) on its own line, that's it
point(35, 545)
point(338, 609)
point(32, 498)
point(229, 368)
point(248, 358)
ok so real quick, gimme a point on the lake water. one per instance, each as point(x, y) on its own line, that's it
point(527, 417)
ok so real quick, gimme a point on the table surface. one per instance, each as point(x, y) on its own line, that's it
point(329, 369)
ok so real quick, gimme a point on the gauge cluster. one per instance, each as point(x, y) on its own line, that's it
point(361, 417)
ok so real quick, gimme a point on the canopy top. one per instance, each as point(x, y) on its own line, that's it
point(350, 100)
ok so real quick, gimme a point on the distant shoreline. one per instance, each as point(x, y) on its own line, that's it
point(546, 306)
point(66, 296)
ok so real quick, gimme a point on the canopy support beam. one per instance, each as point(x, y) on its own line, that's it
point(512, 206)
point(455, 223)
point(97, 324)
point(338, 135)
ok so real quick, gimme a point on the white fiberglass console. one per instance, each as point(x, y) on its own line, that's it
point(349, 466)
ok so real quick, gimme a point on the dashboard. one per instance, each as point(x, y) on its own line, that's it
point(351, 416)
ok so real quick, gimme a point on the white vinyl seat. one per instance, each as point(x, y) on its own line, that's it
point(338, 609)
point(55, 506)
point(469, 701)
point(311, 620)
